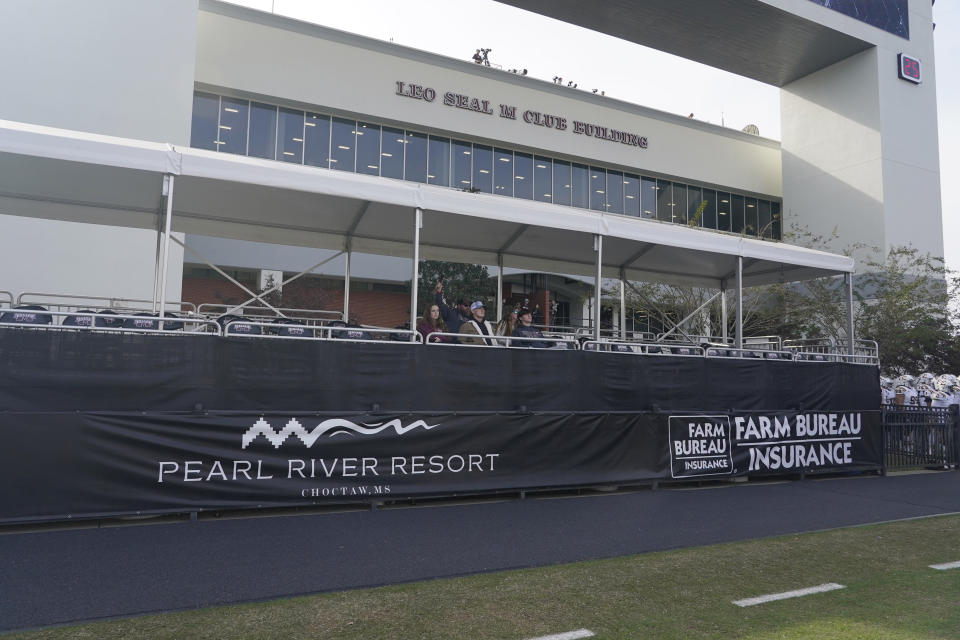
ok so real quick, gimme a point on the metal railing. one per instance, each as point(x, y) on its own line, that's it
point(438, 338)
point(138, 323)
point(642, 348)
point(243, 328)
point(749, 354)
point(313, 316)
point(919, 437)
point(6, 298)
point(68, 302)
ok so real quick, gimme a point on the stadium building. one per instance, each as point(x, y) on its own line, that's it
point(366, 117)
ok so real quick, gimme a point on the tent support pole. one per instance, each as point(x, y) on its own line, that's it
point(156, 257)
point(598, 247)
point(739, 327)
point(499, 287)
point(417, 224)
point(723, 311)
point(168, 179)
point(848, 280)
point(348, 250)
point(623, 304)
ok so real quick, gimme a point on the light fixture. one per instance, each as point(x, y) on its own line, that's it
point(344, 147)
point(311, 124)
point(547, 195)
point(724, 201)
point(723, 213)
point(466, 153)
point(373, 166)
point(629, 197)
point(223, 126)
point(504, 159)
point(484, 171)
point(288, 153)
point(521, 178)
point(750, 206)
point(297, 139)
point(543, 166)
point(599, 191)
point(231, 110)
point(386, 155)
point(219, 142)
point(464, 182)
point(648, 212)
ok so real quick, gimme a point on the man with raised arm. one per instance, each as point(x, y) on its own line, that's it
point(453, 317)
point(476, 326)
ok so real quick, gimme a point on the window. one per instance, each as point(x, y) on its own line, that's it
point(694, 213)
point(581, 186)
point(664, 201)
point(290, 136)
point(709, 218)
point(415, 157)
point(561, 182)
point(543, 179)
point(523, 175)
point(203, 127)
point(439, 155)
point(750, 217)
point(631, 195)
point(368, 148)
point(648, 198)
point(462, 164)
point(736, 213)
point(483, 168)
point(679, 203)
point(391, 153)
point(343, 148)
point(503, 172)
point(724, 218)
point(598, 189)
point(316, 139)
point(776, 217)
point(614, 192)
point(764, 221)
point(233, 126)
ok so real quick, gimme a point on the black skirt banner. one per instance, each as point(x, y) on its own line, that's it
point(59, 465)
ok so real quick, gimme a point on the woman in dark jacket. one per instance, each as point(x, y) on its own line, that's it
point(431, 322)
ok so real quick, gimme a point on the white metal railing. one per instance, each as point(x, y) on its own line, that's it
point(6, 298)
point(313, 316)
point(275, 331)
point(477, 340)
point(68, 302)
point(723, 351)
point(129, 322)
point(642, 348)
point(690, 339)
point(765, 343)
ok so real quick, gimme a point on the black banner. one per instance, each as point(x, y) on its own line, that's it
point(83, 464)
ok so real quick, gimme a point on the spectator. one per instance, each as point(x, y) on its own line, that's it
point(453, 317)
point(537, 316)
point(476, 325)
point(477, 57)
point(507, 323)
point(526, 330)
point(431, 322)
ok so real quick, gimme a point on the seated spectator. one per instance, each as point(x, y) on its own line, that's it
point(508, 323)
point(453, 317)
point(526, 330)
point(431, 322)
point(476, 325)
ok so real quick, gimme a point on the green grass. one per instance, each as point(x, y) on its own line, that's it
point(891, 594)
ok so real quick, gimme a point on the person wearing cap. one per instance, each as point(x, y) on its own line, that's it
point(526, 330)
point(453, 317)
point(477, 325)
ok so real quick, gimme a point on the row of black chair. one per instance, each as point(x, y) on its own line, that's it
point(36, 315)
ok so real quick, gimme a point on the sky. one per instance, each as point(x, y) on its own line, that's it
point(456, 28)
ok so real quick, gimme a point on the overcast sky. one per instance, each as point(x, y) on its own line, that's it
point(549, 48)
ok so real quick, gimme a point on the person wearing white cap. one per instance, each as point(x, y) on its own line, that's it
point(477, 325)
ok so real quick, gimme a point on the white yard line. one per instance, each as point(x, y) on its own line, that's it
point(749, 602)
point(945, 566)
point(569, 635)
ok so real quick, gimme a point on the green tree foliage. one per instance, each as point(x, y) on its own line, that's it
point(467, 281)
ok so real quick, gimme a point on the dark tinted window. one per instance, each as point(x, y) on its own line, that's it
point(614, 192)
point(523, 175)
point(343, 149)
point(581, 186)
point(233, 125)
point(462, 164)
point(709, 218)
point(290, 136)
point(439, 158)
point(203, 127)
point(368, 148)
point(263, 131)
point(648, 198)
point(631, 195)
point(483, 168)
point(391, 153)
point(415, 160)
point(542, 179)
point(503, 172)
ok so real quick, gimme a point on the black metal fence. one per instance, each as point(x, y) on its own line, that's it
point(920, 437)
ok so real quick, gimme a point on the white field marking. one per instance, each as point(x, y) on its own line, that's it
point(749, 602)
point(945, 566)
point(569, 635)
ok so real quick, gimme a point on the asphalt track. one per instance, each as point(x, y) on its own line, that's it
point(58, 576)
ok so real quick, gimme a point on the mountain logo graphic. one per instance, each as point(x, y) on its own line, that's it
point(330, 428)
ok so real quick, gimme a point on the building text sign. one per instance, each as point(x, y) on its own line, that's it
point(529, 116)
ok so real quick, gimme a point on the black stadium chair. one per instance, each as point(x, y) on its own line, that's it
point(141, 321)
point(353, 332)
point(105, 320)
point(234, 325)
point(27, 314)
point(171, 325)
point(79, 320)
point(299, 331)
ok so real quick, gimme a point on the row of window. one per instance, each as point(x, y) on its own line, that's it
point(303, 137)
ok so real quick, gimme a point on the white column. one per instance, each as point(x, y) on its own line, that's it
point(739, 327)
point(166, 247)
point(723, 311)
point(623, 306)
point(598, 247)
point(346, 282)
point(499, 287)
point(848, 279)
point(417, 224)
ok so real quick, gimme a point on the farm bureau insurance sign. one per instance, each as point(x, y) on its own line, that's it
point(531, 117)
point(704, 445)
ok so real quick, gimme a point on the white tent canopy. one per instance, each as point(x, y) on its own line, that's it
point(67, 175)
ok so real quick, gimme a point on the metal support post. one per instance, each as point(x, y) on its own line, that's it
point(499, 287)
point(156, 256)
point(417, 224)
point(598, 247)
point(348, 251)
point(848, 280)
point(723, 311)
point(168, 181)
point(623, 305)
point(739, 327)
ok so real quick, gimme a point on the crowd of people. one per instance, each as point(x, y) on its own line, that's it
point(469, 321)
point(925, 390)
